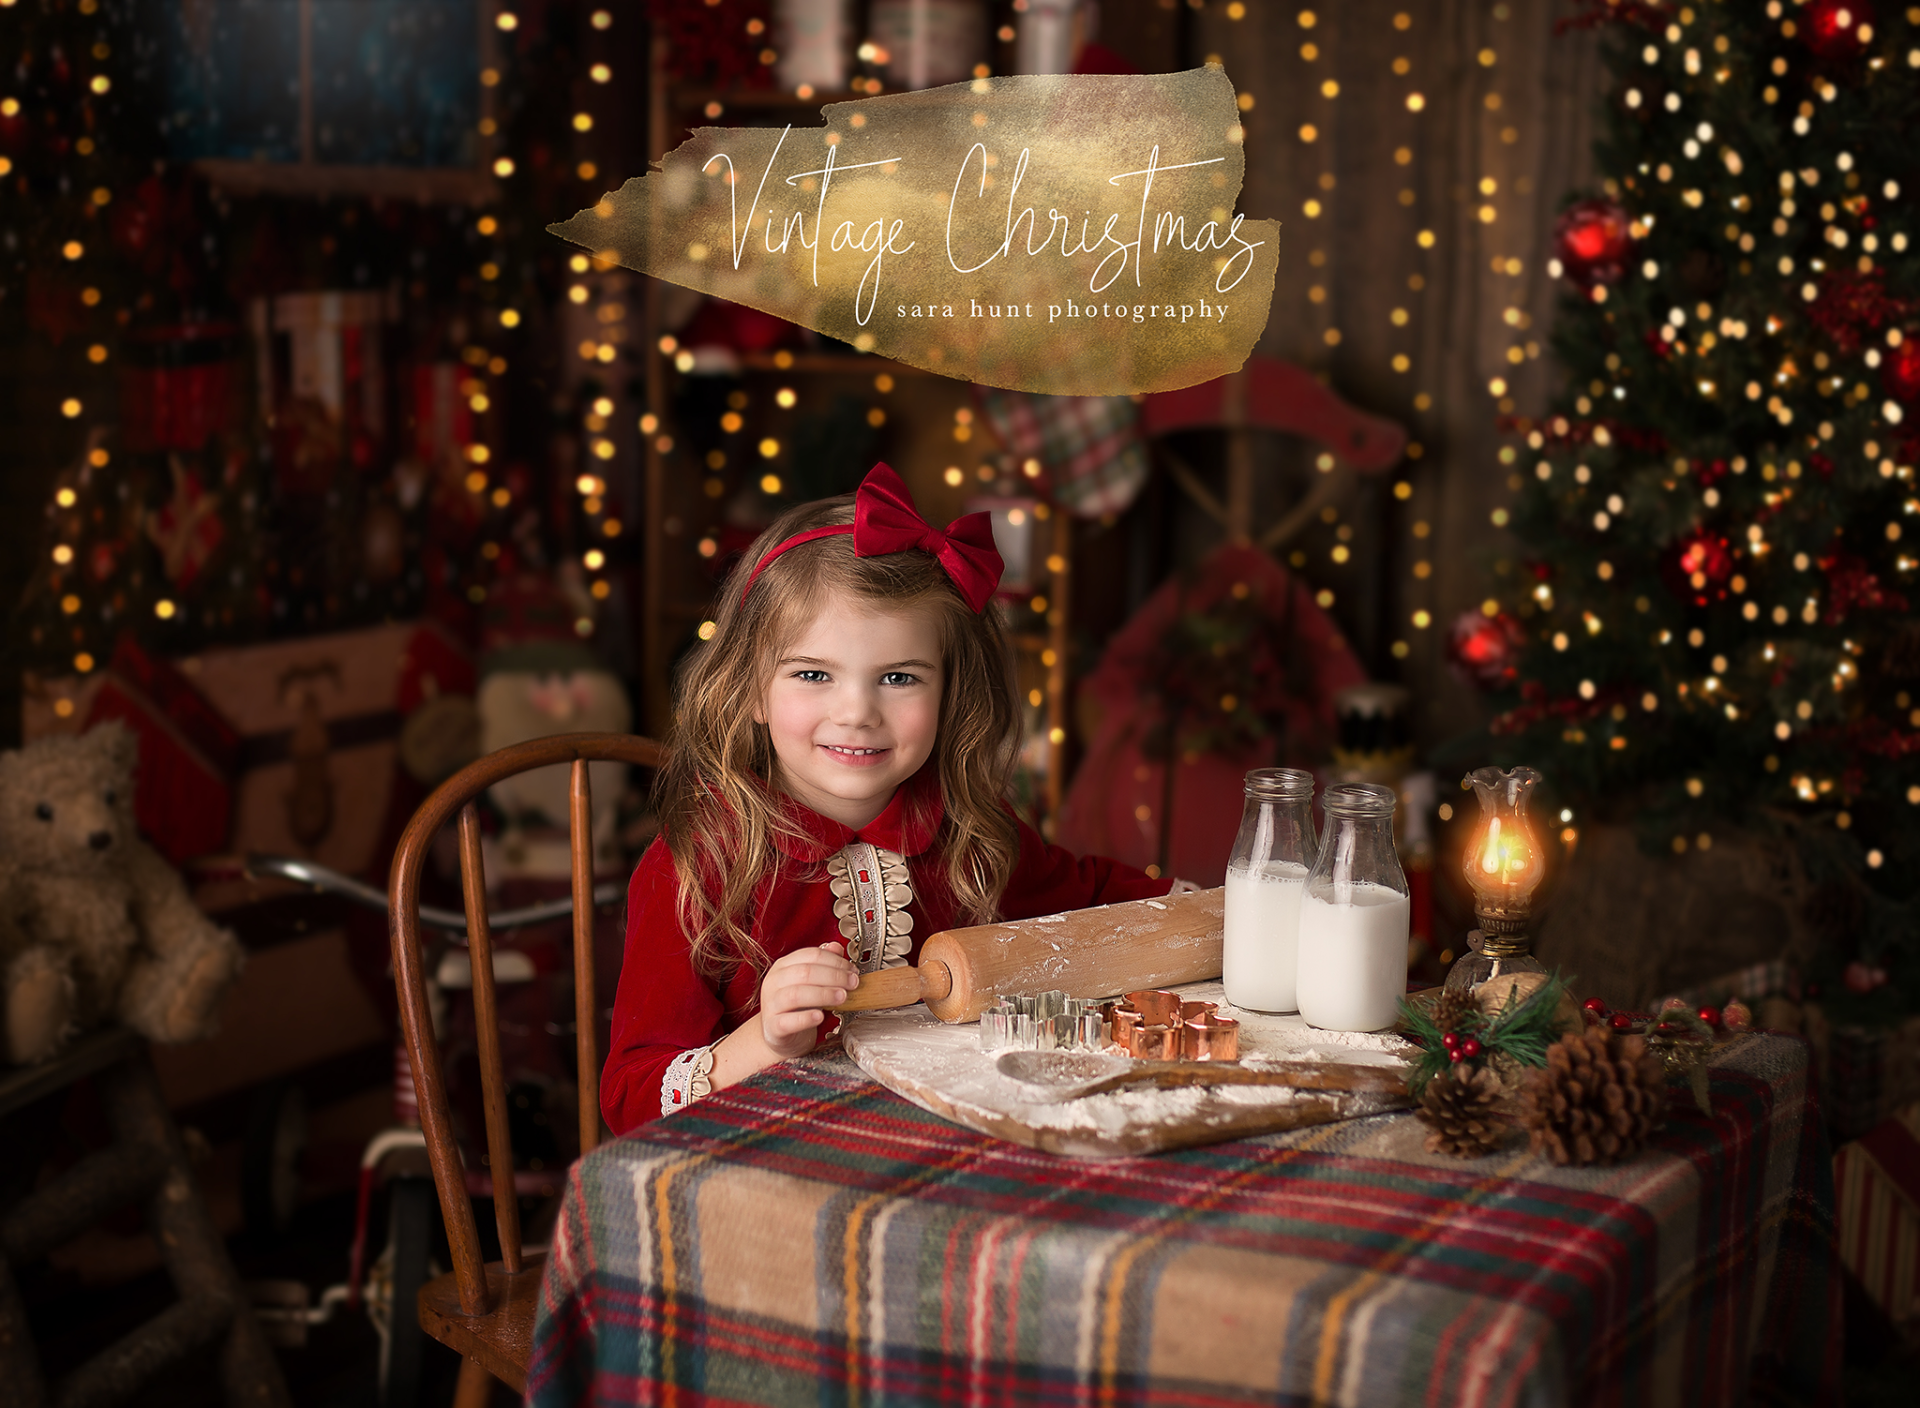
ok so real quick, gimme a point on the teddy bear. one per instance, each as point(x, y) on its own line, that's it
point(94, 925)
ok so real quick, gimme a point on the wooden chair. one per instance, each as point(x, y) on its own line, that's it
point(485, 1311)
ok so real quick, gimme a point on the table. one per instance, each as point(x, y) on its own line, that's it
point(808, 1237)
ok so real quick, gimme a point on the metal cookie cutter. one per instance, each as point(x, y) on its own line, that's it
point(1157, 1007)
point(1155, 1043)
point(1210, 1037)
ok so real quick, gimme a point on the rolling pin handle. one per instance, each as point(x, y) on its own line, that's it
point(899, 987)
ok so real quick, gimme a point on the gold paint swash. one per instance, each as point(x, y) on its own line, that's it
point(1072, 235)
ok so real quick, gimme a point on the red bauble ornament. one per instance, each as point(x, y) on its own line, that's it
point(1831, 28)
point(1620, 1021)
point(1486, 648)
point(1592, 240)
point(1597, 1007)
point(1699, 566)
point(1900, 371)
point(1710, 1015)
point(1470, 1048)
point(1456, 1055)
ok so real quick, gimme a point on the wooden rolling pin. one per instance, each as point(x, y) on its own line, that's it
point(1084, 953)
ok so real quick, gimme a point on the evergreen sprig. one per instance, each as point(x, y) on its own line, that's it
point(1522, 1030)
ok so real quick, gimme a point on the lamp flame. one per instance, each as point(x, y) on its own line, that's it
point(1509, 855)
point(1505, 863)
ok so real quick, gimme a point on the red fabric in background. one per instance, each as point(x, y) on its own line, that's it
point(189, 753)
point(1116, 778)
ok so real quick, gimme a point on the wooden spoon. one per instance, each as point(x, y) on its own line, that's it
point(1054, 1076)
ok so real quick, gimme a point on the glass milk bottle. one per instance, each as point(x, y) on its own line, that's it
point(1265, 875)
point(1354, 916)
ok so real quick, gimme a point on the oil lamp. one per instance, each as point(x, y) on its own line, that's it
point(1504, 864)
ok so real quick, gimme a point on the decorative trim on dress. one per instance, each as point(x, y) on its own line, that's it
point(871, 892)
point(687, 1079)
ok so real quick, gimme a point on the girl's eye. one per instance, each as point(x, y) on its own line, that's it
point(898, 677)
point(811, 676)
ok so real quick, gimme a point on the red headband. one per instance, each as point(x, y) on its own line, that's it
point(885, 521)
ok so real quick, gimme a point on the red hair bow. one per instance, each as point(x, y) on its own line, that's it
point(885, 521)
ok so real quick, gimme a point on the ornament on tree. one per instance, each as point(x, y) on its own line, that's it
point(1593, 239)
point(1900, 371)
point(1699, 566)
point(1465, 1109)
point(1598, 1099)
point(1837, 29)
point(1486, 648)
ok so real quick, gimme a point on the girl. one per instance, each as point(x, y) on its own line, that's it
point(833, 795)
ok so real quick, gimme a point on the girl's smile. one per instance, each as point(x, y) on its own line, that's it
point(856, 757)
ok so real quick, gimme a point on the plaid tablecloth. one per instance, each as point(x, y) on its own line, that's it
point(809, 1238)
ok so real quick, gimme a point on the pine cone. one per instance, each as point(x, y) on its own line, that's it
point(1452, 1008)
point(1464, 1109)
point(1597, 1099)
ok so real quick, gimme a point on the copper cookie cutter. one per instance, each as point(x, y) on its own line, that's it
point(1154, 1024)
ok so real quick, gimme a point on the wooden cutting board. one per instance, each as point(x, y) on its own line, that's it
point(941, 1068)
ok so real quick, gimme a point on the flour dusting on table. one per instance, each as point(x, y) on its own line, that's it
point(942, 1069)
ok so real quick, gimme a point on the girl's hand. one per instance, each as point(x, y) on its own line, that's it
point(797, 991)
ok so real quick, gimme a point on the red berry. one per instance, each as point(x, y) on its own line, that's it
point(1621, 1021)
point(1710, 1015)
point(1457, 1054)
point(1594, 1004)
point(1450, 1040)
point(1470, 1047)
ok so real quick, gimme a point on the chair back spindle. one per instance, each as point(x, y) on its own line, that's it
point(586, 1017)
point(454, 798)
point(486, 1025)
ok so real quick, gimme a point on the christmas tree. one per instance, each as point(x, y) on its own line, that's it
point(1720, 523)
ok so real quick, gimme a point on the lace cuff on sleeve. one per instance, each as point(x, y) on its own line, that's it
point(687, 1079)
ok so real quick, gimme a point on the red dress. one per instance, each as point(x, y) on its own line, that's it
point(665, 1008)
